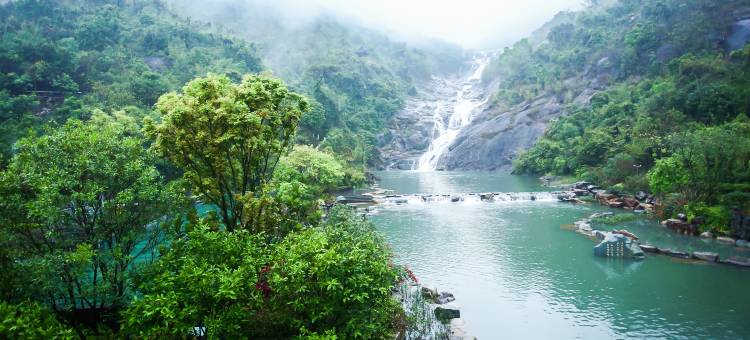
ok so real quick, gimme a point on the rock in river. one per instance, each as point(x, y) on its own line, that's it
point(706, 256)
point(447, 312)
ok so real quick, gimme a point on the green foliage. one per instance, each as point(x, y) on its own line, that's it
point(65, 59)
point(716, 217)
point(616, 219)
point(28, 320)
point(332, 279)
point(674, 118)
point(81, 208)
point(318, 172)
point(228, 139)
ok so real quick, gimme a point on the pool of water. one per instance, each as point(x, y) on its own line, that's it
point(519, 272)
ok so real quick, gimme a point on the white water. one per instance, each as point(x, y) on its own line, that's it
point(464, 108)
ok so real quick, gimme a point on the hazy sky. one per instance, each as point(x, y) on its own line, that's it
point(465, 22)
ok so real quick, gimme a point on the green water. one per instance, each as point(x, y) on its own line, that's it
point(519, 273)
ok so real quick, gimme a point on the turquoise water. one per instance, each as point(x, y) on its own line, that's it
point(520, 273)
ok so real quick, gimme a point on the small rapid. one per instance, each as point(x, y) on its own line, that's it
point(468, 99)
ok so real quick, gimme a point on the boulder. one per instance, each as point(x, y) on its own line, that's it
point(707, 234)
point(455, 199)
point(617, 245)
point(630, 202)
point(580, 192)
point(582, 185)
point(741, 243)
point(445, 297)
point(706, 256)
point(680, 226)
point(675, 253)
point(641, 196)
point(604, 198)
point(648, 207)
point(649, 248)
point(737, 261)
point(430, 293)
point(446, 312)
point(682, 217)
point(726, 240)
point(487, 197)
point(616, 204)
point(592, 188)
point(602, 214)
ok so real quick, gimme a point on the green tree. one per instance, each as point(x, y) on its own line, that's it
point(82, 206)
point(335, 278)
point(228, 139)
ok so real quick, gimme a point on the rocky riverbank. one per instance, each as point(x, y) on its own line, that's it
point(434, 314)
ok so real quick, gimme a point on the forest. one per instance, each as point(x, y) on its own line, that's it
point(674, 119)
point(175, 169)
point(141, 201)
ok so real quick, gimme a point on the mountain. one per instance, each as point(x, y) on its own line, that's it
point(356, 78)
point(70, 58)
point(586, 53)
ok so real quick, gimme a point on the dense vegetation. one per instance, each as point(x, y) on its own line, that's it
point(127, 212)
point(356, 79)
point(674, 117)
point(66, 59)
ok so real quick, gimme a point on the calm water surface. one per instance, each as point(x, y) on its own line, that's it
point(520, 273)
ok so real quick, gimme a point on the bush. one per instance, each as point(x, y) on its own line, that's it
point(332, 279)
point(716, 217)
point(30, 321)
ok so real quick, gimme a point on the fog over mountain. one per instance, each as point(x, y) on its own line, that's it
point(469, 23)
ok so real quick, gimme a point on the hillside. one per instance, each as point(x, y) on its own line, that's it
point(650, 95)
point(63, 59)
point(357, 78)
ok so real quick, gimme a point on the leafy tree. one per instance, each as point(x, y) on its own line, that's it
point(82, 207)
point(228, 139)
point(333, 279)
point(31, 321)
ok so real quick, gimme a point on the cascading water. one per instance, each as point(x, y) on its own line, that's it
point(468, 99)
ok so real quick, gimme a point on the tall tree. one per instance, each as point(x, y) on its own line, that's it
point(228, 139)
point(81, 208)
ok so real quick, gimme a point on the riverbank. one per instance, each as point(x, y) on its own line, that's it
point(643, 203)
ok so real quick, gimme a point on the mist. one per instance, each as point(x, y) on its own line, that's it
point(467, 23)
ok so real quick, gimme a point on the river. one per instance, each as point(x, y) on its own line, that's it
point(519, 272)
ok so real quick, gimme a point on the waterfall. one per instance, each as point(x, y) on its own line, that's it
point(467, 100)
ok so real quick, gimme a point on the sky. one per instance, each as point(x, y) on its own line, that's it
point(469, 23)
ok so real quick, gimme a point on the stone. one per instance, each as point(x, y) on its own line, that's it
point(680, 226)
point(591, 188)
point(445, 297)
point(649, 248)
point(602, 214)
point(604, 198)
point(630, 202)
point(707, 234)
point(582, 185)
point(616, 204)
point(682, 217)
point(429, 293)
point(446, 312)
point(455, 199)
point(618, 245)
point(487, 197)
point(674, 253)
point(737, 261)
point(706, 256)
point(648, 207)
point(580, 192)
point(726, 240)
point(641, 196)
point(741, 243)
